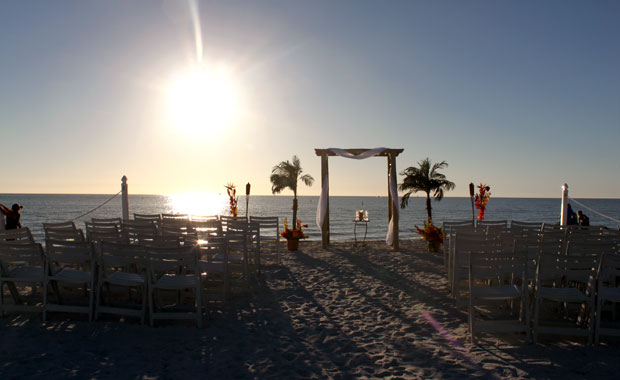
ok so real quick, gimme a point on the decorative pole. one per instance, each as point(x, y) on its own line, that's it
point(563, 213)
point(247, 199)
point(125, 198)
point(471, 197)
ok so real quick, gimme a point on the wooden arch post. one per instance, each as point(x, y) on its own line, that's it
point(391, 155)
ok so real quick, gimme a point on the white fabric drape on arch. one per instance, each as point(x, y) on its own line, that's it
point(321, 210)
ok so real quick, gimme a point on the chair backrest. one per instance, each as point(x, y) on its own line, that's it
point(207, 228)
point(102, 227)
point(492, 222)
point(73, 254)
point(515, 224)
point(266, 221)
point(529, 248)
point(180, 228)
point(589, 248)
point(140, 230)
point(466, 243)
point(492, 229)
point(203, 218)
point(17, 236)
point(215, 249)
point(153, 217)
point(267, 224)
point(184, 217)
point(609, 270)
point(117, 221)
point(69, 225)
point(18, 255)
point(63, 231)
point(495, 265)
point(117, 237)
point(448, 226)
point(226, 219)
point(172, 261)
point(566, 271)
point(126, 257)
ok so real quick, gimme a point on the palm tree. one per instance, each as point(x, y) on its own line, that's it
point(286, 174)
point(425, 178)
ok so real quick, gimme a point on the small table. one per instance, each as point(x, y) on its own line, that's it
point(355, 223)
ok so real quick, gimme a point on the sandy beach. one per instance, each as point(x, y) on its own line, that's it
point(343, 312)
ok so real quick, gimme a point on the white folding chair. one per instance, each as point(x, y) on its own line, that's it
point(173, 271)
point(121, 266)
point(213, 263)
point(466, 244)
point(608, 291)
point(498, 277)
point(22, 265)
point(268, 225)
point(559, 279)
point(70, 264)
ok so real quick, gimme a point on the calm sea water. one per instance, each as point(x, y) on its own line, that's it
point(41, 208)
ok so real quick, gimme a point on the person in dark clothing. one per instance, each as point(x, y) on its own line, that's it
point(571, 216)
point(13, 216)
point(583, 219)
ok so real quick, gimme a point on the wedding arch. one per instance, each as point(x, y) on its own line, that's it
point(322, 211)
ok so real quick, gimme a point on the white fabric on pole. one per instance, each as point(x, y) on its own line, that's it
point(389, 239)
point(361, 156)
point(321, 209)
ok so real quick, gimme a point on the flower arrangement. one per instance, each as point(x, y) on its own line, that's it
point(482, 198)
point(430, 232)
point(296, 233)
point(232, 195)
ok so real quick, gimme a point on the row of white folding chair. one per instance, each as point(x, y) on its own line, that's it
point(28, 265)
point(73, 264)
point(559, 278)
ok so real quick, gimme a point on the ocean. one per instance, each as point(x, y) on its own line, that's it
point(40, 208)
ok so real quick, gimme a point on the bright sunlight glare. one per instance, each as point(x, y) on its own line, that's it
point(201, 204)
point(202, 100)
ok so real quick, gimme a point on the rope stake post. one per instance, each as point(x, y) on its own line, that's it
point(563, 211)
point(125, 198)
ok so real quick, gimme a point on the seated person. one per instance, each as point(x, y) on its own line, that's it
point(571, 216)
point(583, 219)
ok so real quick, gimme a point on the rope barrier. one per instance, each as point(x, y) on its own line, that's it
point(593, 210)
point(96, 208)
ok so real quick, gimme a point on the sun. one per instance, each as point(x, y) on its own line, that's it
point(202, 100)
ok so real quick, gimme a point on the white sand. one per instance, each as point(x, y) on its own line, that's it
point(344, 312)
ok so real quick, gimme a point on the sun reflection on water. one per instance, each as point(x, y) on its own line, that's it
point(202, 204)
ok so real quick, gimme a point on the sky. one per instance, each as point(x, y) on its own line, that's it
point(187, 96)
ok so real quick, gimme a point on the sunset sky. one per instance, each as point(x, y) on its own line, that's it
point(185, 96)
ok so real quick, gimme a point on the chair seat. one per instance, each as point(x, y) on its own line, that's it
point(72, 276)
point(609, 294)
point(176, 282)
point(125, 279)
point(563, 294)
point(496, 292)
point(25, 274)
